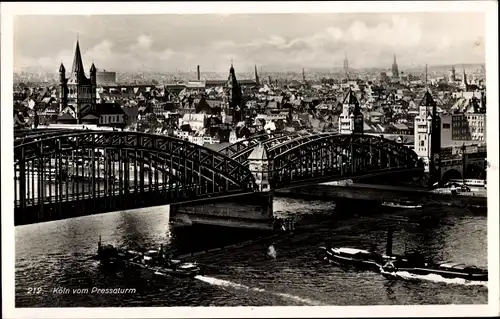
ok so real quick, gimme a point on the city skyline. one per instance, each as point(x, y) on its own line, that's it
point(126, 43)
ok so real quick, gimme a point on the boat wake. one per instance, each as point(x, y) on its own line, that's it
point(436, 278)
point(229, 284)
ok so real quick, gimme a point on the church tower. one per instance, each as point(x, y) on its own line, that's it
point(427, 143)
point(351, 120)
point(346, 67)
point(93, 83)
point(63, 92)
point(77, 91)
point(395, 71)
point(257, 80)
point(235, 95)
point(261, 167)
point(453, 76)
point(464, 84)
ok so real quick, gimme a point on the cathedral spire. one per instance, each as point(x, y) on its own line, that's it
point(235, 98)
point(346, 66)
point(256, 76)
point(395, 70)
point(77, 71)
point(426, 88)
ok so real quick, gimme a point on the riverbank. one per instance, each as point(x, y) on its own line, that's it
point(379, 193)
point(475, 191)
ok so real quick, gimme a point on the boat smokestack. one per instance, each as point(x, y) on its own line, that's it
point(99, 245)
point(198, 71)
point(388, 250)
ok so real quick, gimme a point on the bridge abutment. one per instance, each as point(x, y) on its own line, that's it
point(253, 211)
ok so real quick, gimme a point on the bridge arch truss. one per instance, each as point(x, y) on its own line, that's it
point(117, 164)
point(323, 156)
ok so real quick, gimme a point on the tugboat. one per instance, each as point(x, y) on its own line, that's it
point(152, 261)
point(365, 259)
point(416, 265)
point(352, 256)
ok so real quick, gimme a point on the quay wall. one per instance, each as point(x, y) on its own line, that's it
point(380, 193)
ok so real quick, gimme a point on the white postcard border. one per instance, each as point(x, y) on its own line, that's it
point(8, 10)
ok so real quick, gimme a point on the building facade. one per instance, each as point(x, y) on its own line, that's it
point(105, 78)
point(427, 132)
point(351, 119)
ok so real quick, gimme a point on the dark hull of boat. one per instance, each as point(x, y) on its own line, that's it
point(443, 273)
point(353, 262)
point(147, 270)
point(402, 206)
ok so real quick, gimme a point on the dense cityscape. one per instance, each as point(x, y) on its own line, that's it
point(221, 110)
point(310, 186)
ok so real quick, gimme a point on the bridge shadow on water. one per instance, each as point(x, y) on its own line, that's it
point(199, 238)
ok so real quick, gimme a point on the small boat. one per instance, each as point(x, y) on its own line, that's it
point(414, 263)
point(401, 204)
point(361, 258)
point(152, 261)
point(420, 267)
point(355, 257)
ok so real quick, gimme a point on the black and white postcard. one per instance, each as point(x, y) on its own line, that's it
point(249, 159)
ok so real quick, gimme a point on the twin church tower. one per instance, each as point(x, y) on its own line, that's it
point(77, 93)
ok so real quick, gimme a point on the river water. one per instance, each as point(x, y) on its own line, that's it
point(57, 254)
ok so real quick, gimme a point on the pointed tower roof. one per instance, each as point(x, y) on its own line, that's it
point(232, 77)
point(77, 60)
point(93, 68)
point(61, 68)
point(428, 100)
point(350, 98)
point(257, 80)
point(394, 58)
point(259, 153)
point(77, 71)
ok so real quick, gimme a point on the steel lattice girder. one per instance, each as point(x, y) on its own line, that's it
point(40, 134)
point(396, 149)
point(24, 133)
point(173, 161)
point(284, 141)
point(249, 143)
point(399, 152)
point(273, 141)
point(222, 166)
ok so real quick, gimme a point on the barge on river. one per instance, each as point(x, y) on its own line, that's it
point(397, 266)
point(152, 261)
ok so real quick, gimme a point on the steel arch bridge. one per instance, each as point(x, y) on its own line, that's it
point(101, 171)
point(111, 168)
point(324, 156)
point(299, 158)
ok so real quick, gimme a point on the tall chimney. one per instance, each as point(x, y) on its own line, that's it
point(198, 70)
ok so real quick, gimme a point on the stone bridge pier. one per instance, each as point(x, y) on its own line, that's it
point(253, 211)
point(245, 211)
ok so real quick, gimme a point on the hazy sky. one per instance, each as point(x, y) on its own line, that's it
point(180, 42)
